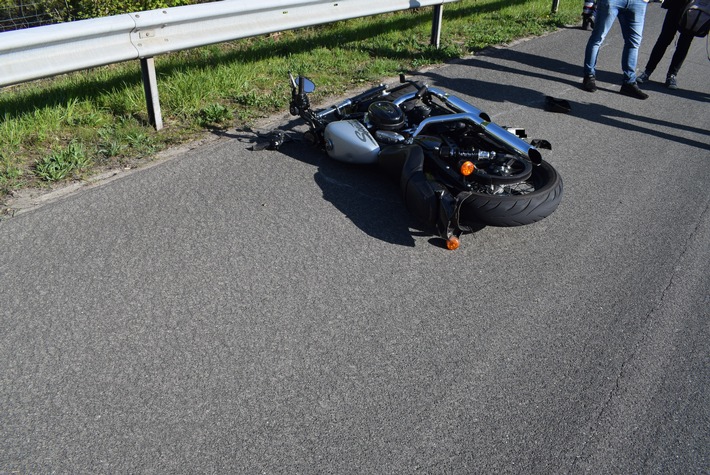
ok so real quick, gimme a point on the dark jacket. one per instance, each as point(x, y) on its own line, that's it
point(674, 4)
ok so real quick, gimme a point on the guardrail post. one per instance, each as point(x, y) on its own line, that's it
point(436, 26)
point(150, 85)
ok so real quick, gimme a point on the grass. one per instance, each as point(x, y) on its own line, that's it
point(73, 126)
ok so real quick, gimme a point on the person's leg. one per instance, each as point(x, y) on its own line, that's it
point(681, 51)
point(607, 11)
point(631, 20)
point(665, 38)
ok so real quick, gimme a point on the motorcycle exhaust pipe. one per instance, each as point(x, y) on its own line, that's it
point(472, 114)
point(494, 131)
point(458, 105)
point(513, 141)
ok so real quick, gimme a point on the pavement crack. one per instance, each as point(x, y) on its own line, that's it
point(614, 391)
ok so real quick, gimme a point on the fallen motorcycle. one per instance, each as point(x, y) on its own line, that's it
point(589, 14)
point(457, 170)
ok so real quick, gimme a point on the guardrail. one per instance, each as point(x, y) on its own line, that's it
point(45, 51)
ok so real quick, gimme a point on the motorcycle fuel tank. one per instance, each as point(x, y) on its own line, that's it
point(349, 141)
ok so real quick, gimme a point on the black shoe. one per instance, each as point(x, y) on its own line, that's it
point(671, 82)
point(589, 83)
point(632, 90)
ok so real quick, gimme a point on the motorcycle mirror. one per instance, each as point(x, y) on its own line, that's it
point(308, 85)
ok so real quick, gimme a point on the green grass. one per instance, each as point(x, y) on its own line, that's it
point(69, 127)
point(63, 163)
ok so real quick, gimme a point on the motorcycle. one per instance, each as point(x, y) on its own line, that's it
point(457, 170)
point(589, 14)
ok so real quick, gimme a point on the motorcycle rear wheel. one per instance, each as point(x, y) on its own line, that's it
point(517, 205)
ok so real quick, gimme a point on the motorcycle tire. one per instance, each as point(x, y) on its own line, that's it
point(507, 210)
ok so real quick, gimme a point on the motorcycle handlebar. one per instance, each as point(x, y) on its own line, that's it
point(369, 94)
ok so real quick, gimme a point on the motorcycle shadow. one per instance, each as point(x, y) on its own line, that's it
point(361, 193)
point(365, 195)
point(368, 197)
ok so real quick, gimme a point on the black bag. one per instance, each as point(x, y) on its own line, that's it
point(695, 18)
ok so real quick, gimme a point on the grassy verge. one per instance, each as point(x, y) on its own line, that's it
point(73, 126)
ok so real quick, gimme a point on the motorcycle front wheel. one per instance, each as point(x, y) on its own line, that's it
point(514, 205)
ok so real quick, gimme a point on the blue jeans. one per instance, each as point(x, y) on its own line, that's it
point(631, 14)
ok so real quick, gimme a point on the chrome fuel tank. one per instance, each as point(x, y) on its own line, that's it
point(349, 141)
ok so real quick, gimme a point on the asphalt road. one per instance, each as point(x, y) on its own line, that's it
point(230, 311)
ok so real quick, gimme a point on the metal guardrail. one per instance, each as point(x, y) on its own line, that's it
point(46, 51)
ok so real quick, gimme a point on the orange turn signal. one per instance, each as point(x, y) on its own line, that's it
point(467, 168)
point(452, 243)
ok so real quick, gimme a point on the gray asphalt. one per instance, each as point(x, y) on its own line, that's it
point(230, 311)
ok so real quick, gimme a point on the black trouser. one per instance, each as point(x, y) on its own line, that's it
point(668, 31)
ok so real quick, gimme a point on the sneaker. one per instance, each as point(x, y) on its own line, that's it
point(632, 90)
point(642, 78)
point(589, 83)
point(671, 82)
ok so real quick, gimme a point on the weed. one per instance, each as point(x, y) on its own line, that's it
point(110, 144)
point(63, 163)
point(11, 173)
point(214, 115)
point(142, 143)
